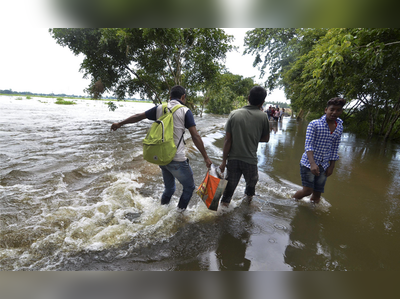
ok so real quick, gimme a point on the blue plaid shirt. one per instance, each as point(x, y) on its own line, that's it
point(324, 144)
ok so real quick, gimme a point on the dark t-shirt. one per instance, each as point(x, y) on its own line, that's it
point(247, 126)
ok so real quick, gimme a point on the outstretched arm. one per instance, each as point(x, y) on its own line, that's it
point(198, 142)
point(226, 150)
point(130, 120)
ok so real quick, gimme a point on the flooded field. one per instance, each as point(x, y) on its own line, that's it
point(75, 196)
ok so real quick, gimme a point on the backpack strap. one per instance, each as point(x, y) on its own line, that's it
point(176, 107)
point(165, 107)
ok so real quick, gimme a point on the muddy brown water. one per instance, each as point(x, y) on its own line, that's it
point(75, 196)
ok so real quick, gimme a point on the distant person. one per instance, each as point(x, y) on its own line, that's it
point(269, 111)
point(321, 150)
point(276, 114)
point(179, 168)
point(245, 128)
point(281, 113)
point(272, 113)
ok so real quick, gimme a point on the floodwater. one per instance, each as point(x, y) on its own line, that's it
point(75, 196)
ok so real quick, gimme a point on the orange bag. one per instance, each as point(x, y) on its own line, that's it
point(210, 190)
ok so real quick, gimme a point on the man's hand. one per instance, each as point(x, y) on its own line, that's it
point(222, 166)
point(208, 162)
point(115, 126)
point(329, 170)
point(314, 169)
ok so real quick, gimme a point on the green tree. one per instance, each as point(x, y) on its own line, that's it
point(227, 92)
point(359, 64)
point(148, 61)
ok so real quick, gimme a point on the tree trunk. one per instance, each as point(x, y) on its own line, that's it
point(385, 119)
point(371, 122)
point(300, 114)
point(391, 126)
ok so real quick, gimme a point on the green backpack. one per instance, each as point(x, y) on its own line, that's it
point(158, 146)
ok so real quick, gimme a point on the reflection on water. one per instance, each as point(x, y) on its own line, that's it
point(75, 196)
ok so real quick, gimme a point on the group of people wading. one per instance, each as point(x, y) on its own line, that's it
point(244, 129)
point(275, 113)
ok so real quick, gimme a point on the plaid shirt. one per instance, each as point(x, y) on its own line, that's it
point(324, 144)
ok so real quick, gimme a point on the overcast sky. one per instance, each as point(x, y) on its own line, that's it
point(31, 60)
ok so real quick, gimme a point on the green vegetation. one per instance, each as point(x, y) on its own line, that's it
point(225, 93)
point(111, 106)
point(148, 61)
point(19, 99)
point(313, 65)
point(61, 101)
point(312, 115)
point(28, 97)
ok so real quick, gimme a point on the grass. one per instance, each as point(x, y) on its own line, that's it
point(61, 101)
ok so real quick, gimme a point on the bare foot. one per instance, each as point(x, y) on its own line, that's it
point(248, 199)
point(315, 200)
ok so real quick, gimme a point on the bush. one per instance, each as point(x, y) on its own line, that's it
point(28, 98)
point(312, 115)
point(19, 99)
point(111, 106)
point(61, 101)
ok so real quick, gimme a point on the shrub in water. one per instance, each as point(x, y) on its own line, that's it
point(61, 101)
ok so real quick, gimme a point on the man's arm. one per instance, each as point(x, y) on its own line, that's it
point(226, 150)
point(198, 142)
point(330, 168)
point(309, 148)
point(314, 167)
point(130, 120)
point(265, 138)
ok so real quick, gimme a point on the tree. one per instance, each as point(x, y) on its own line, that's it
point(148, 61)
point(227, 92)
point(359, 64)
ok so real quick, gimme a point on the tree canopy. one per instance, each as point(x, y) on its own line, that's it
point(148, 61)
point(227, 92)
point(314, 65)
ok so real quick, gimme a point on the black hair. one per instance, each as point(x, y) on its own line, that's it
point(336, 102)
point(257, 95)
point(177, 92)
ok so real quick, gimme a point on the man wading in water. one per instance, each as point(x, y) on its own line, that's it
point(321, 150)
point(179, 168)
point(245, 128)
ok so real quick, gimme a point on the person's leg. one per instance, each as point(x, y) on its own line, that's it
point(306, 191)
point(233, 176)
point(184, 174)
point(315, 197)
point(319, 185)
point(250, 173)
point(307, 180)
point(169, 185)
